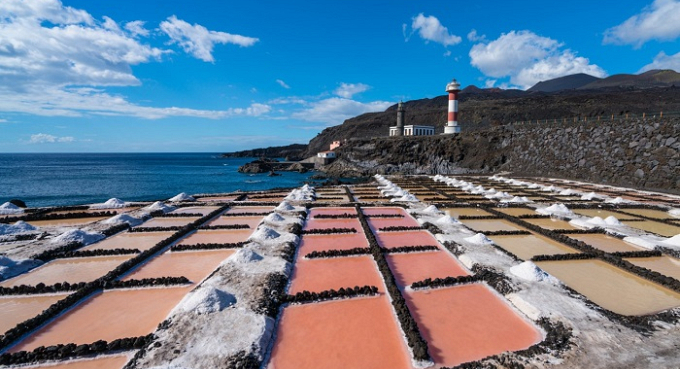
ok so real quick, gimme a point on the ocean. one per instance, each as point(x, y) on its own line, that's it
point(73, 179)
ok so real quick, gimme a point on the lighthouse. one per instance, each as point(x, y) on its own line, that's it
point(400, 119)
point(452, 125)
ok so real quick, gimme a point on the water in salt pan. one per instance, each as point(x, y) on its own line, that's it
point(359, 333)
point(323, 274)
point(384, 210)
point(330, 211)
point(650, 213)
point(602, 213)
point(168, 222)
point(107, 316)
point(528, 246)
point(252, 222)
point(490, 225)
point(606, 243)
point(413, 267)
point(217, 236)
point(662, 229)
point(409, 238)
point(665, 265)
point(71, 270)
point(516, 212)
point(16, 309)
point(551, 224)
point(142, 241)
point(323, 242)
point(250, 209)
point(612, 288)
point(408, 221)
point(195, 265)
point(100, 362)
point(316, 223)
point(205, 210)
point(64, 222)
point(217, 198)
point(468, 322)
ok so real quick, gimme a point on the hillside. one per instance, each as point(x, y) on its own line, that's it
point(564, 83)
point(649, 79)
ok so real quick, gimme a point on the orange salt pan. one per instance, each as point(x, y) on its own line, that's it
point(658, 214)
point(71, 270)
point(16, 309)
point(107, 316)
point(408, 238)
point(64, 222)
point(383, 210)
point(413, 267)
point(318, 275)
point(142, 241)
point(377, 223)
point(205, 210)
point(316, 223)
point(528, 246)
point(606, 243)
point(490, 225)
point(662, 229)
point(250, 209)
point(217, 236)
point(252, 222)
point(547, 223)
point(665, 265)
point(100, 362)
point(456, 212)
point(359, 333)
point(467, 323)
point(195, 265)
point(323, 242)
point(168, 222)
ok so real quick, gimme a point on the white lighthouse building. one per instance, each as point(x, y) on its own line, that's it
point(453, 88)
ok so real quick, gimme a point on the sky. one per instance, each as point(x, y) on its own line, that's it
point(218, 76)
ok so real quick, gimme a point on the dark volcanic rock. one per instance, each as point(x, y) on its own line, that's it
point(257, 166)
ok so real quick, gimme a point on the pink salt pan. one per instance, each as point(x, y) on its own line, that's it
point(107, 316)
point(16, 309)
point(218, 198)
point(330, 211)
point(142, 241)
point(167, 222)
point(106, 362)
point(318, 275)
point(195, 265)
point(324, 242)
point(467, 323)
point(377, 223)
point(360, 333)
point(217, 236)
point(413, 267)
point(250, 209)
point(409, 238)
point(205, 210)
point(383, 210)
point(252, 222)
point(313, 223)
point(71, 270)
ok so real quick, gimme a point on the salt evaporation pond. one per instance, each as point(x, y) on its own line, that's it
point(205, 210)
point(662, 229)
point(324, 242)
point(381, 211)
point(475, 212)
point(195, 265)
point(665, 265)
point(71, 270)
point(316, 223)
point(551, 224)
point(249, 209)
point(491, 225)
point(468, 322)
point(168, 222)
point(108, 316)
point(612, 288)
point(408, 238)
point(252, 222)
point(359, 333)
point(528, 246)
point(657, 214)
point(602, 213)
point(318, 275)
point(606, 243)
point(417, 266)
point(376, 223)
point(126, 240)
point(516, 212)
point(17, 309)
point(330, 211)
point(100, 362)
point(64, 222)
point(216, 198)
point(217, 236)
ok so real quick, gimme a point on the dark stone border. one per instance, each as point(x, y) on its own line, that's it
point(338, 253)
point(329, 231)
point(305, 297)
point(206, 246)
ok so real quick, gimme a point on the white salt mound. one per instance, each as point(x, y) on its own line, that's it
point(479, 239)
point(617, 200)
point(557, 209)
point(285, 206)
point(408, 197)
point(530, 272)
point(206, 300)
point(181, 197)
point(159, 205)
point(274, 218)
point(674, 213)
point(10, 267)
point(112, 203)
point(431, 210)
point(517, 200)
point(264, 234)
point(590, 196)
point(123, 218)
point(18, 227)
point(447, 220)
point(10, 209)
point(78, 235)
point(244, 256)
point(673, 241)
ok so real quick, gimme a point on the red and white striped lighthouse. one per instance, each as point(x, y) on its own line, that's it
point(452, 125)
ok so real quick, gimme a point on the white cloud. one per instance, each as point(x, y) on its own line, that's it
point(335, 110)
point(658, 21)
point(474, 37)
point(136, 28)
point(528, 59)
point(282, 84)
point(663, 61)
point(430, 29)
point(347, 90)
point(40, 138)
point(198, 40)
point(47, 48)
point(489, 83)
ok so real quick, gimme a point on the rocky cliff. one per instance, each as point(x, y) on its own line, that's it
point(638, 153)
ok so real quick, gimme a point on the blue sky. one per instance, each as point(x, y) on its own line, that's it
point(215, 76)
